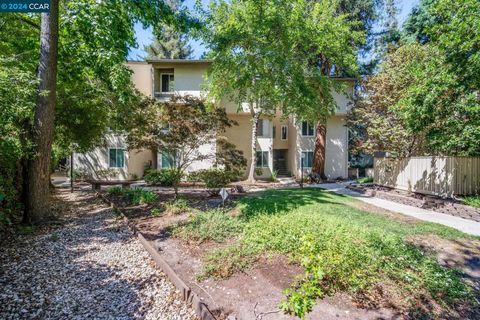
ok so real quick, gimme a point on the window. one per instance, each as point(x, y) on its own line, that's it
point(307, 129)
point(284, 132)
point(168, 82)
point(307, 159)
point(262, 159)
point(116, 158)
point(168, 160)
point(260, 128)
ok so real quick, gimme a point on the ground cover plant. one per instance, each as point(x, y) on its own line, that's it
point(473, 201)
point(341, 249)
point(135, 196)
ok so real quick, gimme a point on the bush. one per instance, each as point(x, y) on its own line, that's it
point(163, 177)
point(135, 196)
point(216, 178)
point(178, 206)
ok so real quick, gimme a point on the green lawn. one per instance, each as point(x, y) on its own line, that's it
point(340, 247)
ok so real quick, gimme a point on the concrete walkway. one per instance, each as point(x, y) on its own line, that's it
point(464, 225)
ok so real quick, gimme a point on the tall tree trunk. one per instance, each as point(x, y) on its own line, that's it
point(318, 165)
point(251, 172)
point(320, 145)
point(37, 206)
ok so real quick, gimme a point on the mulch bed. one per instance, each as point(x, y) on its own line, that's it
point(447, 206)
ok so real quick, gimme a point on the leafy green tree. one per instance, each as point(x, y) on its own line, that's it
point(178, 128)
point(92, 82)
point(267, 53)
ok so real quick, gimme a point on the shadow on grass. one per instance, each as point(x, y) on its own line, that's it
point(284, 200)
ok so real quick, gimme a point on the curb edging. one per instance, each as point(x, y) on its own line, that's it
point(201, 309)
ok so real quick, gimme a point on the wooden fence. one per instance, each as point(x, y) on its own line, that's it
point(442, 176)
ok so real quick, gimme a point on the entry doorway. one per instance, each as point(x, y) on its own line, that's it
point(280, 161)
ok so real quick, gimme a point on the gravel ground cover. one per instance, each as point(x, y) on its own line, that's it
point(90, 268)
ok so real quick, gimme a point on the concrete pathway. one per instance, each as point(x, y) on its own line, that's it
point(464, 225)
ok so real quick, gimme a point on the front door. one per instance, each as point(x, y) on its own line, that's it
point(280, 161)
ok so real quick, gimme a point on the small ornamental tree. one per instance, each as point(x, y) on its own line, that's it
point(177, 128)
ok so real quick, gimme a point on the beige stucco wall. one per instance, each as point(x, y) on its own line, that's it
point(98, 159)
point(142, 77)
point(336, 151)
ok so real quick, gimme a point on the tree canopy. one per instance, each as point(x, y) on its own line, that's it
point(425, 98)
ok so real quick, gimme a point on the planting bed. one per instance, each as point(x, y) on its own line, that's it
point(447, 206)
point(256, 290)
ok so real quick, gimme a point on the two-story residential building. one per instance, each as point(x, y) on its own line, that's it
point(281, 143)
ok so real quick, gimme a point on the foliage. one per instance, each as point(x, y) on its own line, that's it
point(425, 98)
point(216, 178)
point(135, 196)
point(178, 205)
point(342, 249)
point(365, 180)
point(188, 123)
point(274, 175)
point(215, 224)
point(94, 91)
point(163, 177)
point(156, 212)
point(473, 201)
point(170, 43)
point(258, 172)
point(268, 56)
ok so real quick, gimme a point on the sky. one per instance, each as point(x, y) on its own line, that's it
point(145, 36)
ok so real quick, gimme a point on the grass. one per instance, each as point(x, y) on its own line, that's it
point(365, 180)
point(340, 247)
point(473, 201)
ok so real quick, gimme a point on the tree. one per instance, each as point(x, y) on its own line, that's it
point(36, 205)
point(266, 57)
point(178, 128)
point(94, 91)
point(170, 42)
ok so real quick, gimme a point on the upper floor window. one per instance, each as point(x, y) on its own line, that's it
point(284, 132)
point(116, 158)
point(307, 129)
point(167, 82)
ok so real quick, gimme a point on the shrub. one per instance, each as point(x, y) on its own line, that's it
point(156, 212)
point(216, 225)
point(216, 178)
point(274, 175)
point(163, 177)
point(473, 201)
point(140, 196)
point(258, 171)
point(178, 206)
point(135, 196)
point(115, 190)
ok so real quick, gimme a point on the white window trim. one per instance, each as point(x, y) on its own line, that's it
point(170, 74)
point(301, 130)
point(124, 158)
point(301, 158)
point(286, 131)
